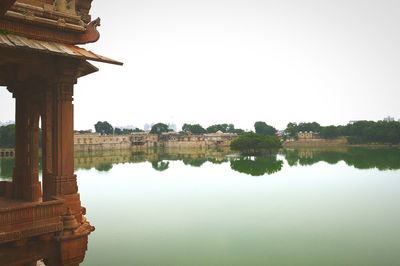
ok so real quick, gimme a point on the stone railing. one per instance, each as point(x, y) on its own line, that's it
point(20, 220)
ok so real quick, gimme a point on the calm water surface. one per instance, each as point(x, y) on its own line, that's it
point(300, 207)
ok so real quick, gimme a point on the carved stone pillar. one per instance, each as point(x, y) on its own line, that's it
point(64, 182)
point(59, 178)
point(26, 184)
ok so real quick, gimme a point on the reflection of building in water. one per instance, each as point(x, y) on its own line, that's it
point(96, 142)
point(307, 153)
point(40, 64)
point(96, 159)
point(143, 139)
point(7, 153)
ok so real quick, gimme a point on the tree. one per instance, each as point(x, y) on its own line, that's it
point(104, 128)
point(194, 129)
point(7, 136)
point(291, 130)
point(313, 127)
point(225, 128)
point(160, 165)
point(258, 166)
point(159, 128)
point(253, 143)
point(125, 131)
point(118, 131)
point(263, 128)
point(329, 132)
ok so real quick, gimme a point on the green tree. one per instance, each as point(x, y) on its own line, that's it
point(160, 165)
point(7, 136)
point(194, 129)
point(159, 128)
point(252, 143)
point(104, 167)
point(263, 128)
point(291, 130)
point(306, 126)
point(104, 128)
point(258, 166)
point(125, 131)
point(329, 132)
point(225, 128)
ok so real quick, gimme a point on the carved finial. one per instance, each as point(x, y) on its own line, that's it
point(91, 34)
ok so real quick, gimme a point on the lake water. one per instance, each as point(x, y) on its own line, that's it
point(210, 207)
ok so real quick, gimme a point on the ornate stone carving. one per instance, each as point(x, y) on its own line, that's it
point(91, 34)
point(83, 8)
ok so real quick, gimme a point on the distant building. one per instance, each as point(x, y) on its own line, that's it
point(172, 126)
point(143, 139)
point(147, 127)
point(6, 123)
point(306, 135)
point(388, 119)
point(94, 142)
point(128, 127)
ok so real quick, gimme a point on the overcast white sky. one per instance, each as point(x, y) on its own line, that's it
point(240, 61)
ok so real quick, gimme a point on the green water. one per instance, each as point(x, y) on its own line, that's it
point(300, 207)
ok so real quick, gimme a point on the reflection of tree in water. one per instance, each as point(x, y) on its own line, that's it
point(104, 167)
point(360, 158)
point(257, 167)
point(192, 157)
point(160, 165)
point(6, 168)
point(217, 161)
point(194, 162)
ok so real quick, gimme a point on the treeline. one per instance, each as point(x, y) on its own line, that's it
point(360, 158)
point(359, 132)
point(264, 139)
point(7, 136)
point(198, 129)
point(106, 128)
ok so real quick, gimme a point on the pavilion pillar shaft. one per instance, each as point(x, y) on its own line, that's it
point(64, 182)
point(26, 184)
point(59, 179)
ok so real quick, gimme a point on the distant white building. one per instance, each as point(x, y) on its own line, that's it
point(6, 123)
point(172, 126)
point(388, 119)
point(147, 126)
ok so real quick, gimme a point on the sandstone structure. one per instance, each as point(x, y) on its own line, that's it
point(140, 140)
point(39, 65)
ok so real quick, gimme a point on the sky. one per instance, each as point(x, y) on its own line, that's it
point(240, 61)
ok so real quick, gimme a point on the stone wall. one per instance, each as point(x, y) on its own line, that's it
point(316, 142)
point(96, 142)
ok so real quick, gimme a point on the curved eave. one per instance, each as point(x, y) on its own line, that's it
point(19, 42)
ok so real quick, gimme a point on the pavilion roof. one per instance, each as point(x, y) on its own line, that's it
point(68, 50)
